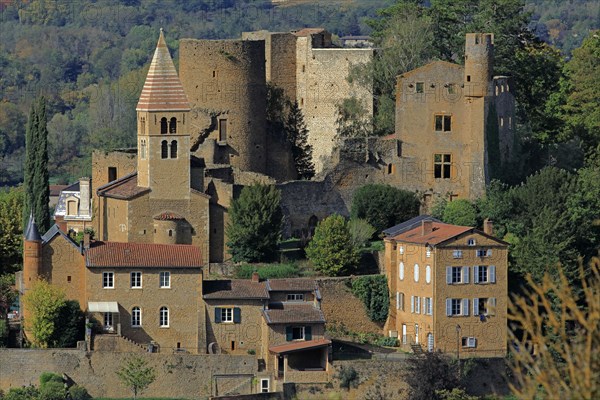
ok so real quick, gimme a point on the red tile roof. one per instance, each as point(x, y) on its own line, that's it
point(299, 346)
point(124, 188)
point(440, 233)
point(308, 31)
point(114, 254)
point(162, 89)
point(287, 312)
point(297, 284)
point(234, 289)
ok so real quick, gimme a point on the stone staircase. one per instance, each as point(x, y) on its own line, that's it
point(416, 348)
point(117, 343)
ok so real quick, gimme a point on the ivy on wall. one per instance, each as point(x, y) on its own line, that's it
point(373, 291)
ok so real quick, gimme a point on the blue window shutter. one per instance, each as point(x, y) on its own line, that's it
point(237, 315)
point(308, 333)
point(448, 274)
point(465, 274)
point(476, 274)
point(465, 307)
point(475, 306)
point(217, 314)
point(288, 333)
point(492, 274)
point(448, 307)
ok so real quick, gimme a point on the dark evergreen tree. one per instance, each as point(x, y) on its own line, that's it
point(37, 192)
point(297, 135)
point(255, 225)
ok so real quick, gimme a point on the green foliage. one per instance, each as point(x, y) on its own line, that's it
point(331, 250)
point(24, 393)
point(37, 192)
point(460, 212)
point(52, 390)
point(268, 271)
point(360, 232)
point(77, 392)
point(79, 236)
point(353, 119)
point(373, 291)
point(454, 394)
point(297, 135)
point(11, 229)
point(3, 332)
point(255, 224)
point(387, 341)
point(46, 377)
point(384, 206)
point(428, 374)
point(348, 377)
point(8, 294)
point(69, 326)
point(136, 375)
point(44, 302)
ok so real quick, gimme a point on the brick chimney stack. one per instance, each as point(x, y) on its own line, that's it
point(86, 240)
point(255, 277)
point(426, 227)
point(488, 227)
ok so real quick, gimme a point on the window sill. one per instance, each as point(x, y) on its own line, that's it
point(108, 287)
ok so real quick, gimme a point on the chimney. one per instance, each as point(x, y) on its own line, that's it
point(86, 239)
point(84, 196)
point(426, 227)
point(255, 277)
point(488, 227)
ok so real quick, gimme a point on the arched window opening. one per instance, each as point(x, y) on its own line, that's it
point(164, 317)
point(170, 233)
point(174, 149)
point(136, 316)
point(173, 125)
point(163, 125)
point(164, 149)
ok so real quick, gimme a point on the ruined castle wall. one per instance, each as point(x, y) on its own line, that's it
point(322, 84)
point(227, 77)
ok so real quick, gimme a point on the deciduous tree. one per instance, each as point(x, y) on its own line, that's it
point(331, 250)
point(11, 229)
point(136, 375)
point(44, 302)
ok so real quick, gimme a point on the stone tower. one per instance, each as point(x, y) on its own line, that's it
point(163, 133)
point(32, 258)
point(226, 78)
point(479, 64)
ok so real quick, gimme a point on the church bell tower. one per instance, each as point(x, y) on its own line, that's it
point(163, 137)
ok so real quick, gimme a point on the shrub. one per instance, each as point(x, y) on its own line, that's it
point(360, 232)
point(384, 206)
point(52, 390)
point(387, 341)
point(373, 291)
point(348, 377)
point(3, 332)
point(331, 250)
point(24, 393)
point(77, 392)
point(50, 377)
point(429, 374)
point(270, 271)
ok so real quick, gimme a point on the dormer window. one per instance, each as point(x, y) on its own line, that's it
point(471, 242)
point(295, 297)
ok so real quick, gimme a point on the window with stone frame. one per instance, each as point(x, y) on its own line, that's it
point(442, 166)
point(443, 123)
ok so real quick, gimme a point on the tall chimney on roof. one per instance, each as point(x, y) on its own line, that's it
point(488, 227)
point(84, 196)
point(426, 227)
point(255, 277)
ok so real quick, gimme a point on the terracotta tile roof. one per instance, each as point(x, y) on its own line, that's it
point(162, 89)
point(123, 188)
point(168, 216)
point(440, 233)
point(298, 284)
point(299, 346)
point(234, 289)
point(114, 254)
point(288, 312)
point(308, 31)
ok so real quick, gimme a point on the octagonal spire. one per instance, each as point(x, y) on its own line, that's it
point(162, 90)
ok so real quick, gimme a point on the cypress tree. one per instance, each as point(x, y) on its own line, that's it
point(37, 192)
point(297, 135)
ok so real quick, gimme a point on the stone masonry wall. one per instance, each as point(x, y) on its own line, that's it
point(178, 376)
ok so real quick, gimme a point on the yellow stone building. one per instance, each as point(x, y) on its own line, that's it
point(448, 288)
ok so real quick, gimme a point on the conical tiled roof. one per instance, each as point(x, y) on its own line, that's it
point(162, 90)
point(31, 232)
